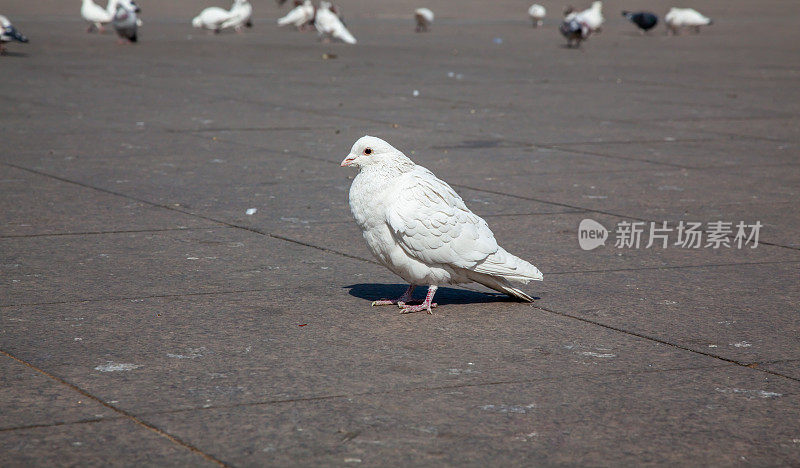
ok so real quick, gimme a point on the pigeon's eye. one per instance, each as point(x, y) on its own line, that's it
point(368, 151)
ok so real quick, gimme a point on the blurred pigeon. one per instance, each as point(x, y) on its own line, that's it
point(125, 20)
point(300, 16)
point(329, 24)
point(424, 17)
point(592, 17)
point(537, 13)
point(677, 18)
point(240, 14)
point(96, 15)
point(9, 33)
point(211, 18)
point(644, 19)
point(421, 230)
point(575, 32)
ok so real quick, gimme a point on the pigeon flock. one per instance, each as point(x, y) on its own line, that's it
point(327, 20)
point(420, 229)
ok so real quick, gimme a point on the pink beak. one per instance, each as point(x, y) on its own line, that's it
point(347, 161)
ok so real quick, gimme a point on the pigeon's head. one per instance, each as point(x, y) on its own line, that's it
point(369, 150)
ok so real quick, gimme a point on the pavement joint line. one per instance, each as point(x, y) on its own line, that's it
point(329, 113)
point(197, 215)
point(675, 267)
point(267, 150)
point(592, 210)
point(94, 233)
point(429, 389)
point(131, 417)
point(623, 158)
point(61, 423)
point(325, 249)
point(134, 298)
point(461, 286)
point(244, 129)
point(749, 365)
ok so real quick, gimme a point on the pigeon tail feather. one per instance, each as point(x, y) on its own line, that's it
point(498, 284)
point(509, 267)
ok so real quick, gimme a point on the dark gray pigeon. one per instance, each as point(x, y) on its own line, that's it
point(575, 32)
point(644, 19)
point(124, 21)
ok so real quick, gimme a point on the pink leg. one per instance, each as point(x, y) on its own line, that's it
point(399, 301)
point(426, 305)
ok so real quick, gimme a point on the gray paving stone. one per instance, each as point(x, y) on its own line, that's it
point(547, 421)
point(119, 442)
point(32, 399)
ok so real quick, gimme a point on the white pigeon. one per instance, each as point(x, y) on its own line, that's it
point(329, 24)
point(9, 33)
point(424, 17)
point(240, 12)
point(299, 16)
point(96, 15)
point(592, 17)
point(421, 230)
point(537, 13)
point(125, 21)
point(677, 18)
point(211, 18)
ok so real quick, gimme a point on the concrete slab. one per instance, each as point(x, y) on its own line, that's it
point(32, 399)
point(40, 205)
point(95, 444)
point(737, 321)
point(78, 268)
point(542, 422)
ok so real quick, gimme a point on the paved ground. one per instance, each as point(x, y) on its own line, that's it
point(145, 319)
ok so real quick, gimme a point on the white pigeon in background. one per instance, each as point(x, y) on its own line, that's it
point(300, 16)
point(211, 18)
point(677, 18)
point(240, 13)
point(592, 17)
point(424, 17)
point(537, 13)
point(96, 15)
point(329, 24)
point(9, 33)
point(421, 230)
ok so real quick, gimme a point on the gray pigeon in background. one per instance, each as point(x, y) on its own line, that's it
point(9, 33)
point(419, 228)
point(125, 20)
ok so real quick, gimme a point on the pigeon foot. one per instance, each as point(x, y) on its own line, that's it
point(400, 301)
point(426, 305)
point(410, 309)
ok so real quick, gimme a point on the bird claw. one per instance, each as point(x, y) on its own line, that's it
point(384, 302)
point(409, 309)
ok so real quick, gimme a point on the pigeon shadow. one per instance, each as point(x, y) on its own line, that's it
point(9, 53)
point(444, 296)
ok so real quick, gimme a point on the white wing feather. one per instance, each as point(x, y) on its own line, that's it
point(432, 224)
